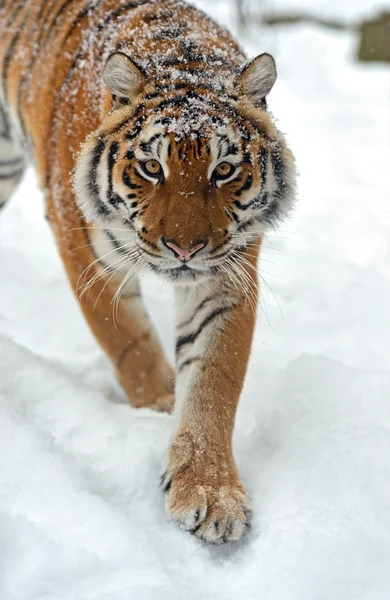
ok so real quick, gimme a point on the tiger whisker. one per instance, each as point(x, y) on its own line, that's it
point(234, 276)
point(128, 230)
point(127, 279)
point(121, 260)
point(103, 288)
point(250, 283)
point(100, 273)
point(244, 260)
point(97, 260)
point(251, 295)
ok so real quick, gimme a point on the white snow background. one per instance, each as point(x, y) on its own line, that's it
point(81, 516)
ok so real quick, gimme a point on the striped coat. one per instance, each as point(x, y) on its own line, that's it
point(156, 152)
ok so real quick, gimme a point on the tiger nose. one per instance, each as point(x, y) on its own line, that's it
point(183, 254)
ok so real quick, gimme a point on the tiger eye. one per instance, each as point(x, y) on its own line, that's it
point(152, 167)
point(223, 169)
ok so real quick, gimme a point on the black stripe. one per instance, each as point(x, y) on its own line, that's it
point(219, 255)
point(222, 138)
point(198, 308)
point(112, 197)
point(235, 217)
point(199, 146)
point(278, 167)
point(175, 101)
point(271, 213)
point(133, 133)
point(217, 120)
point(147, 146)
point(182, 84)
point(5, 133)
point(163, 88)
point(246, 206)
point(151, 254)
point(93, 184)
point(75, 23)
point(122, 44)
point(55, 19)
point(154, 95)
point(246, 186)
point(26, 75)
point(130, 135)
point(221, 245)
point(11, 19)
point(171, 31)
point(159, 16)
point(127, 181)
point(12, 161)
point(263, 159)
point(190, 338)
point(263, 200)
point(18, 173)
point(233, 149)
point(245, 225)
point(7, 60)
point(187, 363)
point(186, 99)
point(148, 243)
point(164, 61)
point(236, 179)
point(245, 133)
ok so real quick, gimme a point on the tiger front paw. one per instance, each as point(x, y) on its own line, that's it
point(205, 497)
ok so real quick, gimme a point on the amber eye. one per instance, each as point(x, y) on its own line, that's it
point(152, 167)
point(224, 170)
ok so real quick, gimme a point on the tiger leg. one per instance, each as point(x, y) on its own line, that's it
point(11, 161)
point(124, 330)
point(203, 492)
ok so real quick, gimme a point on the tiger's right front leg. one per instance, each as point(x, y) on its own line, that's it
point(122, 328)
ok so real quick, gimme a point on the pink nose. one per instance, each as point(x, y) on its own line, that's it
point(184, 254)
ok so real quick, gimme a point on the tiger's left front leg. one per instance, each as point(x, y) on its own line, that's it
point(200, 480)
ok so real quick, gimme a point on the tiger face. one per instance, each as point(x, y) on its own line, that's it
point(189, 180)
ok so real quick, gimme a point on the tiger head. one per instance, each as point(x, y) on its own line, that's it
point(191, 177)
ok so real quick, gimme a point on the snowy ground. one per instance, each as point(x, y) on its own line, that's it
point(80, 513)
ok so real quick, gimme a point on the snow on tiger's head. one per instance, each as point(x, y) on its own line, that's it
point(194, 173)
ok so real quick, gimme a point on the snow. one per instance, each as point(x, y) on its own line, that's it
point(349, 12)
point(80, 513)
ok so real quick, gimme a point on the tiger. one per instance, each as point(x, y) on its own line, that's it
point(156, 152)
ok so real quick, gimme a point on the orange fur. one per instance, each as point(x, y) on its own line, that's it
point(52, 55)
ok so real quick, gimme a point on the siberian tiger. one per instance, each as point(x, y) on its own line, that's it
point(155, 151)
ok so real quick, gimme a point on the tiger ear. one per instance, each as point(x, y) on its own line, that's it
point(257, 78)
point(122, 76)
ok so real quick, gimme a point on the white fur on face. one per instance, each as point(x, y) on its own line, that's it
point(91, 186)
